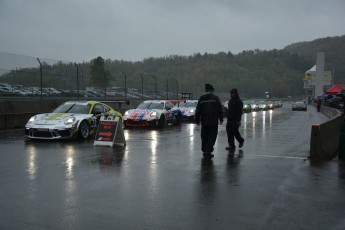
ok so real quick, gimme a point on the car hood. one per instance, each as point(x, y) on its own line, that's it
point(57, 118)
point(138, 114)
point(185, 110)
point(299, 105)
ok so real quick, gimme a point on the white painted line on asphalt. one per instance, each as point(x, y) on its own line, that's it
point(271, 156)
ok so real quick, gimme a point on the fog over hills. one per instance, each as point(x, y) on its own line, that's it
point(9, 61)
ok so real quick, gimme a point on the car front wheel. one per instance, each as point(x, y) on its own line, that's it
point(161, 122)
point(84, 130)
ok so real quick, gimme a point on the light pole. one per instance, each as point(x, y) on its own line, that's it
point(82, 76)
point(142, 87)
point(154, 77)
point(167, 89)
point(75, 64)
point(125, 84)
point(40, 76)
point(105, 86)
point(176, 89)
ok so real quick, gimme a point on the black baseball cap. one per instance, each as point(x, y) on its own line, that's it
point(208, 87)
point(233, 90)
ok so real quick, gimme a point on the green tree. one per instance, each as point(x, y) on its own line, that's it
point(99, 76)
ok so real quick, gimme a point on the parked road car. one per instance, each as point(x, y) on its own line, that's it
point(277, 104)
point(270, 105)
point(299, 105)
point(254, 106)
point(152, 113)
point(187, 108)
point(71, 119)
point(247, 108)
point(336, 102)
point(263, 105)
point(225, 108)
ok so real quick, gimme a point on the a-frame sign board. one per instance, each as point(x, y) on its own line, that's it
point(109, 132)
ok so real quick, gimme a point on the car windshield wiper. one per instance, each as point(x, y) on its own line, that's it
point(150, 106)
point(70, 108)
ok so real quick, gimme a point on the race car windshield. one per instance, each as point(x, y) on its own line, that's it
point(187, 104)
point(151, 106)
point(299, 103)
point(73, 108)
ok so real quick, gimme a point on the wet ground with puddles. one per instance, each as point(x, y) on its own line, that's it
point(160, 180)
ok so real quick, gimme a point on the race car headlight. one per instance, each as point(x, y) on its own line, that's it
point(191, 110)
point(70, 120)
point(153, 114)
point(32, 119)
point(126, 113)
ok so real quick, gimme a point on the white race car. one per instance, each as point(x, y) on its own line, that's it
point(71, 119)
point(299, 105)
point(151, 113)
point(187, 108)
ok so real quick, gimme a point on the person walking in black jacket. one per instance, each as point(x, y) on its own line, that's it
point(208, 112)
point(235, 110)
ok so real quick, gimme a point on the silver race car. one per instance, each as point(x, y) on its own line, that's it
point(69, 120)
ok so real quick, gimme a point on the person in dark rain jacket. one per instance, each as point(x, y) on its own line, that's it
point(235, 111)
point(208, 112)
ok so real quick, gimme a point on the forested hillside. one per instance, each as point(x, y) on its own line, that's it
point(334, 48)
point(253, 72)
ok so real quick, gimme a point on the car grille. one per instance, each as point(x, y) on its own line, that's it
point(64, 133)
point(42, 134)
point(49, 134)
point(136, 123)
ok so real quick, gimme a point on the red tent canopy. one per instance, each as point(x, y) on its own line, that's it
point(335, 89)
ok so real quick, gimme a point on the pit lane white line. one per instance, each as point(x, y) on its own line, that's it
point(271, 156)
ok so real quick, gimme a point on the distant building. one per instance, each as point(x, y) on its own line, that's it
point(316, 79)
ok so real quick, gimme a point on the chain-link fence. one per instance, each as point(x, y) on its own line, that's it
point(40, 78)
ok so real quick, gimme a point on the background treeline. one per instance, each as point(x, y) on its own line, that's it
point(253, 72)
point(334, 48)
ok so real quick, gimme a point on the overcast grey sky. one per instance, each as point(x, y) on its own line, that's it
point(80, 30)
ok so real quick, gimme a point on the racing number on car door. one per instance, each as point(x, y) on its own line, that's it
point(169, 115)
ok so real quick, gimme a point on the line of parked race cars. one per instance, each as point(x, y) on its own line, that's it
point(79, 119)
point(255, 106)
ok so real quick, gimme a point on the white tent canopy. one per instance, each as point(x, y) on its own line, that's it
point(312, 70)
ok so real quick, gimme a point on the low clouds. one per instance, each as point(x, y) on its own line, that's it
point(137, 29)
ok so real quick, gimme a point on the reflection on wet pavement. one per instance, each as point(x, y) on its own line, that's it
point(160, 180)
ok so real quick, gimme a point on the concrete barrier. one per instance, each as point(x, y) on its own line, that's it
point(11, 121)
point(15, 114)
point(324, 141)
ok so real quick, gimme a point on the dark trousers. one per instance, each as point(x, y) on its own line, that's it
point(208, 138)
point(232, 132)
point(318, 108)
